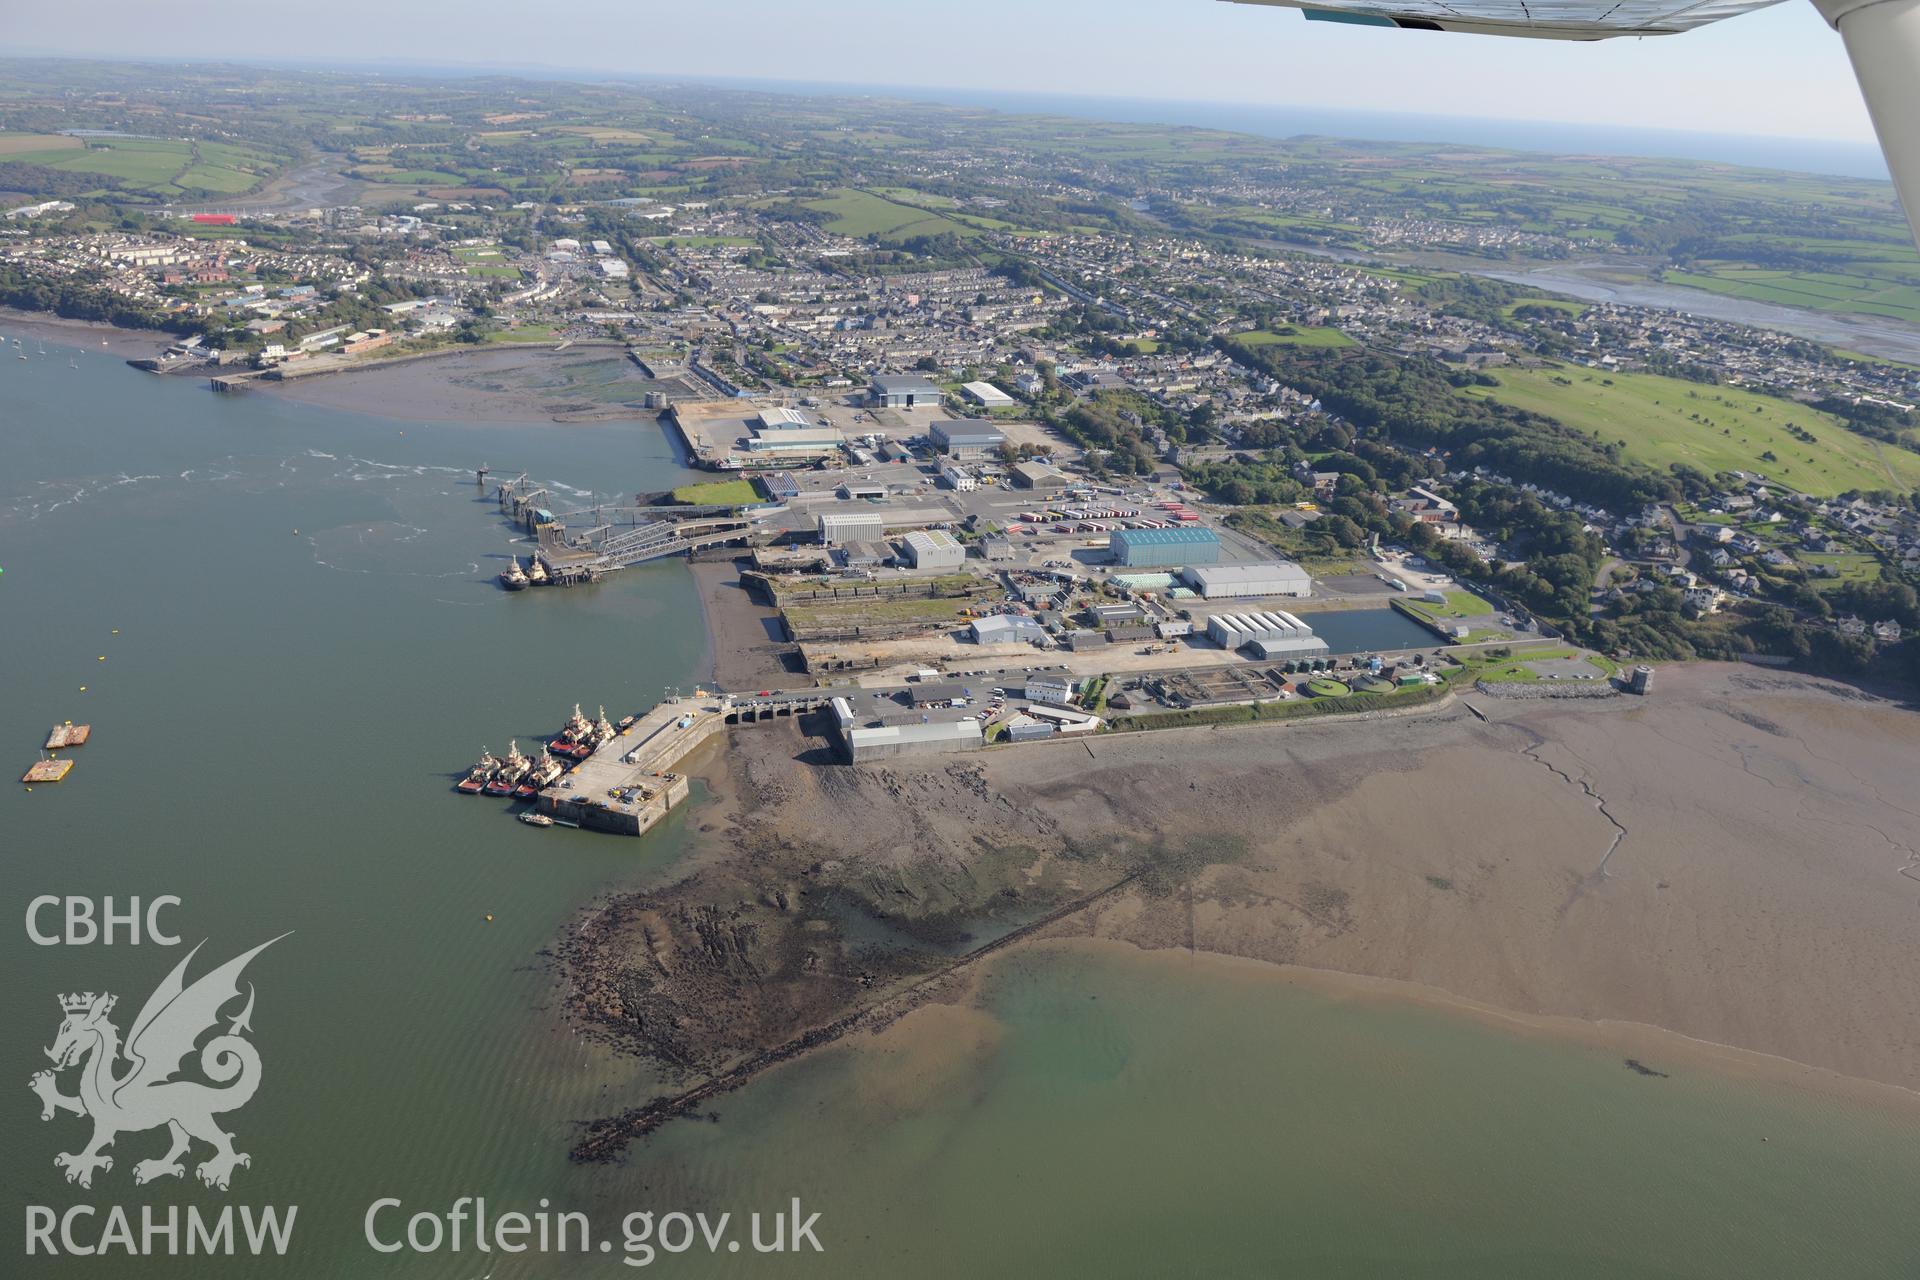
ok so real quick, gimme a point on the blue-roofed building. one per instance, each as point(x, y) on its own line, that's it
point(1164, 548)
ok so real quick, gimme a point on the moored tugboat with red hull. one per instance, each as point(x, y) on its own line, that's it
point(510, 772)
point(576, 739)
point(477, 777)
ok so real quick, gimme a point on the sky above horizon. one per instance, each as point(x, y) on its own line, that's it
point(1780, 72)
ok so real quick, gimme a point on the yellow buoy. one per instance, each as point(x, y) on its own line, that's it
point(116, 631)
point(489, 918)
point(103, 657)
point(83, 688)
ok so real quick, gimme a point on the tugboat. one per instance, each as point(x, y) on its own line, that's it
point(576, 739)
point(536, 572)
point(511, 770)
point(513, 577)
point(602, 731)
point(476, 780)
point(539, 773)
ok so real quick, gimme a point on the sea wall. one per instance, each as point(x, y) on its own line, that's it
point(1546, 689)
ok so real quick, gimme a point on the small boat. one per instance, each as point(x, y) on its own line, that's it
point(536, 819)
point(626, 723)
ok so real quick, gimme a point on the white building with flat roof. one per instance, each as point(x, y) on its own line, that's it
point(934, 549)
point(987, 394)
point(1240, 581)
point(837, 528)
point(1275, 632)
point(959, 479)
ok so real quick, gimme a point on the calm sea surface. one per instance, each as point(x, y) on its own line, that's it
point(276, 724)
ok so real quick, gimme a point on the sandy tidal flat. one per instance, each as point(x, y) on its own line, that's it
point(1730, 859)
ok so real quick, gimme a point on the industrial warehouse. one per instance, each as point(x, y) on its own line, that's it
point(1267, 635)
point(1241, 581)
point(952, 583)
point(1164, 548)
point(965, 440)
point(883, 737)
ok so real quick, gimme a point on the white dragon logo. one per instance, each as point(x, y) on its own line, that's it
point(146, 1095)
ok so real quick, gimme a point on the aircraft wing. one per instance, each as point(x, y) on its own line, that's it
point(1882, 39)
point(1548, 20)
point(1541, 19)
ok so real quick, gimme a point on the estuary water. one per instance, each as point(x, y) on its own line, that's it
point(289, 640)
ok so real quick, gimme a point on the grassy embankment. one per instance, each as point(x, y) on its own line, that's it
point(1295, 336)
point(1291, 709)
point(1500, 666)
point(1661, 421)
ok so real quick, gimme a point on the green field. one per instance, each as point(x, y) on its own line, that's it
point(526, 333)
point(1814, 290)
point(157, 166)
point(1661, 421)
point(1501, 666)
point(862, 213)
point(1850, 566)
point(484, 262)
point(1557, 304)
point(1294, 336)
point(1460, 606)
point(733, 493)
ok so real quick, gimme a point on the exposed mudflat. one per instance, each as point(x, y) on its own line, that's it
point(1732, 858)
point(746, 635)
point(504, 383)
point(37, 327)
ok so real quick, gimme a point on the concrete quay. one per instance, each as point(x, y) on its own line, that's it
point(631, 782)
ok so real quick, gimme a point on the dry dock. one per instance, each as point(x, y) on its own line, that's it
point(630, 783)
